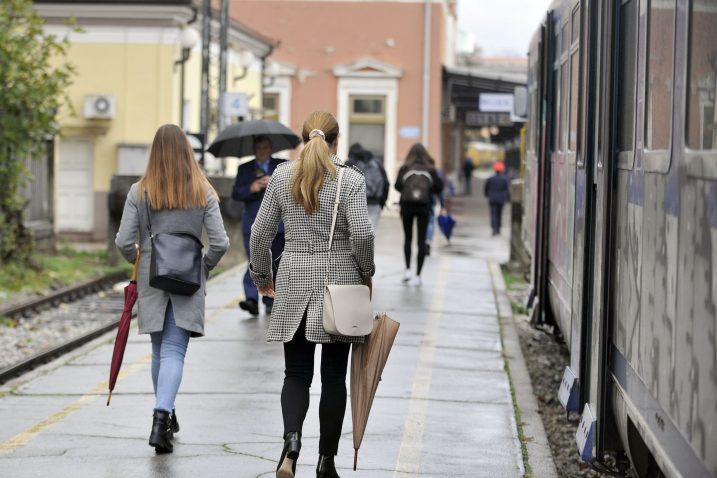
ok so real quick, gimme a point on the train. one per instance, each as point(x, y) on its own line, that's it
point(620, 220)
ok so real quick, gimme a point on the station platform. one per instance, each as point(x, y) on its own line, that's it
point(443, 407)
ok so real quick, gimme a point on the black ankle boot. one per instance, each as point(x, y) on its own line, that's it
point(326, 467)
point(287, 463)
point(161, 432)
point(175, 423)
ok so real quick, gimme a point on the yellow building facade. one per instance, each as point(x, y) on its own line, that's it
point(127, 84)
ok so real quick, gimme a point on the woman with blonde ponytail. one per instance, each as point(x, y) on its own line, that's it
point(301, 193)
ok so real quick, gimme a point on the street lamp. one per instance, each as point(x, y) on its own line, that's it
point(188, 39)
point(272, 70)
point(246, 59)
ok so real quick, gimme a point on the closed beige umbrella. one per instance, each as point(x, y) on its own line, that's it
point(367, 362)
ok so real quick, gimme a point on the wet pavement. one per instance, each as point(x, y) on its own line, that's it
point(443, 408)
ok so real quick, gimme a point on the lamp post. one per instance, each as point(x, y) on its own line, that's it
point(271, 70)
point(187, 40)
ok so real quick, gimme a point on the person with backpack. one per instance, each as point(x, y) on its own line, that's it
point(377, 183)
point(417, 182)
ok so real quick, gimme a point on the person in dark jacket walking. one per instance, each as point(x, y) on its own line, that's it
point(468, 168)
point(417, 181)
point(376, 180)
point(251, 182)
point(497, 190)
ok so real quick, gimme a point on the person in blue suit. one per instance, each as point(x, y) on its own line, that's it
point(497, 190)
point(249, 186)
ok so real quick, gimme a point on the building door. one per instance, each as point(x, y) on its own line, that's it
point(75, 208)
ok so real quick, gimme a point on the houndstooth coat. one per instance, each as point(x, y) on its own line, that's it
point(300, 279)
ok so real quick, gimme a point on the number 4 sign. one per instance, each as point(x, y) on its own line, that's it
point(236, 104)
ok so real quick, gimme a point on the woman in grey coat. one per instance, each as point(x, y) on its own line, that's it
point(180, 199)
point(301, 193)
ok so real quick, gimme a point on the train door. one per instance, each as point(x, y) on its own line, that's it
point(596, 425)
point(546, 92)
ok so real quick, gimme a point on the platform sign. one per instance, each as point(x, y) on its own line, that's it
point(568, 391)
point(495, 102)
point(585, 435)
point(476, 118)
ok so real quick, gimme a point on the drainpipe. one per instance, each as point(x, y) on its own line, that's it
point(206, 39)
point(223, 46)
point(426, 71)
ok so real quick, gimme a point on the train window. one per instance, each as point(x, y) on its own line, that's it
point(556, 98)
point(661, 34)
point(627, 75)
point(574, 86)
point(702, 82)
point(564, 103)
point(576, 25)
point(566, 37)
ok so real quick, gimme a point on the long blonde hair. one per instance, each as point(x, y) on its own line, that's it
point(173, 179)
point(314, 160)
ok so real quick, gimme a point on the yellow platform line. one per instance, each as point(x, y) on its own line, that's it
point(409, 455)
point(98, 390)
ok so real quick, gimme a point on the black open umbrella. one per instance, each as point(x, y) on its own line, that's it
point(238, 139)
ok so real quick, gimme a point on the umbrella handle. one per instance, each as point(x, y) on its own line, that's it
point(134, 270)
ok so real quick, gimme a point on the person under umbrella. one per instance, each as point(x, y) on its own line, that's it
point(181, 199)
point(249, 187)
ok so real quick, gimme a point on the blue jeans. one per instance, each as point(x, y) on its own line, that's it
point(168, 350)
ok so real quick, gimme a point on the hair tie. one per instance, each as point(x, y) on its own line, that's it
point(317, 132)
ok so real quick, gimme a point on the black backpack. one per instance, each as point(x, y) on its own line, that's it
point(417, 184)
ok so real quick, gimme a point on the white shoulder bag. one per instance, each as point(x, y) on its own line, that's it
point(347, 308)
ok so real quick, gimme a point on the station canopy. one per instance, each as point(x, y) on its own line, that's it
point(476, 99)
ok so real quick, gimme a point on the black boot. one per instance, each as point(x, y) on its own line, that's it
point(161, 432)
point(175, 423)
point(287, 463)
point(326, 467)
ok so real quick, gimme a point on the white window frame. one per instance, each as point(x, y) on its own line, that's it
point(282, 87)
point(373, 86)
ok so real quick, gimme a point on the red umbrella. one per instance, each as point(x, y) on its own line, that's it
point(130, 297)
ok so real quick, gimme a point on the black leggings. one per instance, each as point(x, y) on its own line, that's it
point(422, 223)
point(299, 360)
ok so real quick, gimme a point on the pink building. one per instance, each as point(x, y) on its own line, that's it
point(377, 65)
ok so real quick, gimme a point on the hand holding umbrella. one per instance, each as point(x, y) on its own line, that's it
point(130, 297)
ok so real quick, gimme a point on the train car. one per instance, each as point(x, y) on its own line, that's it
point(621, 223)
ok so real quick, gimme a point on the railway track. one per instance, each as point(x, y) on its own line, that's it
point(75, 314)
point(65, 294)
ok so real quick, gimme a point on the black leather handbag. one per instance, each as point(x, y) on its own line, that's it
point(175, 260)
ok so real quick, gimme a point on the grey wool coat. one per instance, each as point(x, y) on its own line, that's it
point(152, 303)
point(300, 279)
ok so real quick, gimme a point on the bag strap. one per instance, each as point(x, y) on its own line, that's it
point(336, 207)
point(149, 215)
point(333, 223)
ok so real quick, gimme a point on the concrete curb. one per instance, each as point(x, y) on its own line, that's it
point(540, 458)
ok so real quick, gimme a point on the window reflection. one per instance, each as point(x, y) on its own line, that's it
point(628, 68)
point(702, 116)
point(661, 31)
